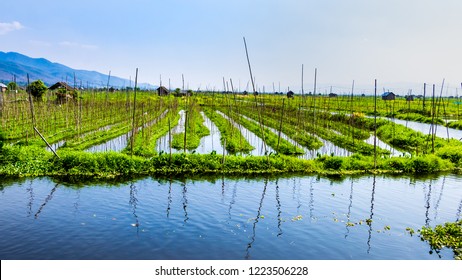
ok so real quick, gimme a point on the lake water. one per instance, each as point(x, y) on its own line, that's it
point(297, 217)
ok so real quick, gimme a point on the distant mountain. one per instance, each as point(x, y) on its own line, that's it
point(15, 64)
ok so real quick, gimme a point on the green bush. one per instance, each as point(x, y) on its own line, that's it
point(452, 153)
point(333, 163)
point(37, 89)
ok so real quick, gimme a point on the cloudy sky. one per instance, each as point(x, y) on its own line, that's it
point(402, 44)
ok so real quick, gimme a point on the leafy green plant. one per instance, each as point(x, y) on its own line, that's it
point(448, 235)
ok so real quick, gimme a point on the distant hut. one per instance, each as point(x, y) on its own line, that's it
point(388, 96)
point(332, 94)
point(61, 85)
point(3, 87)
point(63, 92)
point(290, 94)
point(409, 97)
point(162, 91)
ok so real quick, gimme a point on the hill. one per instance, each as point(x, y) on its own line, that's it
point(19, 65)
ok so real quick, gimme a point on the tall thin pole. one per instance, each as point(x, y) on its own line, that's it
point(423, 101)
point(134, 110)
point(375, 124)
point(303, 93)
point(254, 92)
point(250, 68)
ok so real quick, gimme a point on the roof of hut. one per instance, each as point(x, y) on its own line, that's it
point(61, 85)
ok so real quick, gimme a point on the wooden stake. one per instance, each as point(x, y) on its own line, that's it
point(134, 111)
point(280, 123)
point(375, 124)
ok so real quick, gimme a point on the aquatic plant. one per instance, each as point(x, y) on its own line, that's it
point(448, 235)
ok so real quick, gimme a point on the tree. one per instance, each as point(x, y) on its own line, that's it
point(12, 86)
point(37, 89)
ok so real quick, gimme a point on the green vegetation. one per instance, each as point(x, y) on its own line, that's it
point(36, 161)
point(194, 130)
point(37, 89)
point(12, 86)
point(448, 235)
point(96, 117)
point(230, 135)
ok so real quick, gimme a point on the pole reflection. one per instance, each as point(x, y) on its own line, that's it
point(30, 191)
point(232, 202)
point(254, 226)
point(169, 198)
point(437, 205)
point(349, 210)
point(278, 208)
point(369, 221)
point(459, 211)
point(427, 203)
point(47, 199)
point(133, 202)
point(185, 202)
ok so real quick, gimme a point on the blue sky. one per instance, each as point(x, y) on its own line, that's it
point(401, 43)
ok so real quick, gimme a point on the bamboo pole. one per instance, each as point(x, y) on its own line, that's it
point(280, 124)
point(134, 112)
point(375, 124)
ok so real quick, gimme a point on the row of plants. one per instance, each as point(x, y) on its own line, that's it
point(231, 137)
point(279, 144)
point(144, 143)
point(194, 129)
point(36, 161)
point(306, 121)
point(275, 121)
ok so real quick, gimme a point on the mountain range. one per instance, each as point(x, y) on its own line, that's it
point(16, 65)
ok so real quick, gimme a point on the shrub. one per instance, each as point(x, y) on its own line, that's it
point(37, 89)
point(334, 163)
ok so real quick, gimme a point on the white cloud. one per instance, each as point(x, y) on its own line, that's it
point(6, 27)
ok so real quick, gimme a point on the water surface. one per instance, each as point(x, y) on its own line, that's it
point(298, 217)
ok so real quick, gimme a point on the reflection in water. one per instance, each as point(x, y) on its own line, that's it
point(133, 202)
point(232, 202)
point(437, 205)
point(369, 222)
point(30, 190)
point(349, 210)
point(215, 208)
point(297, 187)
point(49, 197)
point(278, 208)
point(459, 211)
point(77, 203)
point(252, 240)
point(427, 204)
point(185, 202)
point(311, 199)
point(169, 198)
